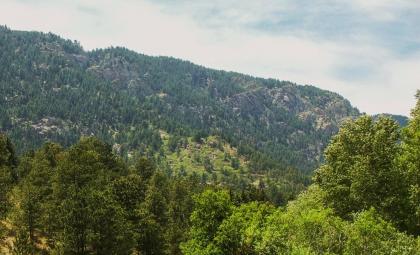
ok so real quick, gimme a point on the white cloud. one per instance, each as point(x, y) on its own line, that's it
point(384, 9)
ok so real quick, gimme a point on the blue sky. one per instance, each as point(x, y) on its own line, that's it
point(366, 50)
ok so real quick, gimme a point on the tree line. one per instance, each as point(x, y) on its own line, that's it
point(86, 200)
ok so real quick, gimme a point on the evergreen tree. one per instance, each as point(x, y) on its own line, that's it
point(85, 169)
point(145, 168)
point(8, 163)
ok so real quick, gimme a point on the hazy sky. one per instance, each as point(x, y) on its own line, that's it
point(366, 50)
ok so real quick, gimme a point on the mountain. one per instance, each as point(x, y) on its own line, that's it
point(53, 90)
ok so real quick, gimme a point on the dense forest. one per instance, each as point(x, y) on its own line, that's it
point(221, 127)
point(53, 90)
point(86, 200)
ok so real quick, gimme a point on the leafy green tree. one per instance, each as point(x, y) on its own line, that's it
point(211, 208)
point(241, 231)
point(305, 227)
point(370, 234)
point(410, 161)
point(360, 167)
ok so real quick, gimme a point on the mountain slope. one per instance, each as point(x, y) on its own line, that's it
point(51, 89)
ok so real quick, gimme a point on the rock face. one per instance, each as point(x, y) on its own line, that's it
point(54, 90)
point(293, 115)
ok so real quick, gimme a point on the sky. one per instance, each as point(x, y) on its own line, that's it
point(366, 50)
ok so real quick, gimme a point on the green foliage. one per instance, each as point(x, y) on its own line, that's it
point(370, 234)
point(5, 186)
point(152, 217)
point(212, 160)
point(410, 160)
point(400, 119)
point(110, 230)
point(86, 169)
point(211, 208)
point(23, 244)
point(234, 162)
point(8, 163)
point(86, 200)
point(360, 167)
point(365, 201)
point(306, 226)
point(241, 231)
point(129, 191)
point(144, 168)
point(180, 205)
point(7, 152)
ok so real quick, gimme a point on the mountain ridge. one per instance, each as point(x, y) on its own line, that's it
point(54, 90)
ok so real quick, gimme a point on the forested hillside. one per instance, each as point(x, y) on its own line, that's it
point(53, 90)
point(114, 152)
point(86, 200)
